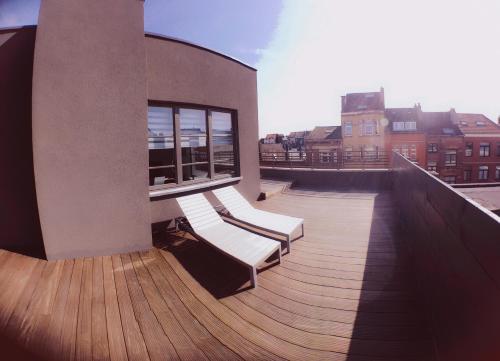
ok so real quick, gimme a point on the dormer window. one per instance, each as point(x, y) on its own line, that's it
point(480, 124)
point(361, 106)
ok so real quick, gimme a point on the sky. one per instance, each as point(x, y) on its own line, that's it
point(441, 53)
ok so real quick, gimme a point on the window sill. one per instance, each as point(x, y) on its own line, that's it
point(192, 187)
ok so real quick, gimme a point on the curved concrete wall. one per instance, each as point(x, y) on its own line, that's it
point(89, 127)
point(183, 73)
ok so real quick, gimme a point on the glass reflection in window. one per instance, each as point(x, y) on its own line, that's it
point(193, 129)
point(161, 146)
point(223, 147)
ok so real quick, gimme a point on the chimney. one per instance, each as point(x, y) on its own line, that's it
point(343, 102)
point(453, 116)
point(498, 120)
point(382, 96)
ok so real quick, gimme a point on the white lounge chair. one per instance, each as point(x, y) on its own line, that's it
point(241, 210)
point(245, 247)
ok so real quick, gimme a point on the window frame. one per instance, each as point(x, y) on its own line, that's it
point(211, 176)
point(450, 152)
point(345, 133)
point(467, 175)
point(432, 148)
point(469, 149)
point(484, 149)
point(483, 169)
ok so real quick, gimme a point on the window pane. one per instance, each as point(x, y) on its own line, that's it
point(159, 176)
point(223, 143)
point(193, 135)
point(161, 145)
point(195, 171)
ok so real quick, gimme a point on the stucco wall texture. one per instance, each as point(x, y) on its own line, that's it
point(89, 130)
point(94, 71)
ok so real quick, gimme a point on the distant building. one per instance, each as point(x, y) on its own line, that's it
point(296, 140)
point(481, 158)
point(363, 123)
point(272, 138)
point(324, 144)
point(444, 146)
point(406, 133)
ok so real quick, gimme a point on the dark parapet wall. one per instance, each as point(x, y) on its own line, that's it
point(455, 247)
point(332, 179)
point(19, 221)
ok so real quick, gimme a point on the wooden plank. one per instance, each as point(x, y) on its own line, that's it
point(37, 314)
point(100, 346)
point(117, 348)
point(183, 345)
point(158, 345)
point(50, 338)
point(67, 343)
point(210, 345)
point(13, 289)
point(134, 341)
point(84, 326)
point(226, 335)
point(254, 334)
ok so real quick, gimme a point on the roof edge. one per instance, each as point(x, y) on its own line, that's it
point(197, 46)
point(20, 27)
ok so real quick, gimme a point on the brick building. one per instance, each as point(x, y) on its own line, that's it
point(406, 133)
point(481, 159)
point(324, 144)
point(445, 146)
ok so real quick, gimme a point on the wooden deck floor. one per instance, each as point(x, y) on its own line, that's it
point(344, 293)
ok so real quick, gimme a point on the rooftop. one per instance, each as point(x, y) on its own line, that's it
point(344, 293)
point(476, 124)
point(324, 132)
point(360, 102)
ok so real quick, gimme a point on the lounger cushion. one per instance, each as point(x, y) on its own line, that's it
point(241, 209)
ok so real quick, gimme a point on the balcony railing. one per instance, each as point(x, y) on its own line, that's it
point(323, 159)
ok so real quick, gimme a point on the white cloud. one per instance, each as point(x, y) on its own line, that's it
point(441, 53)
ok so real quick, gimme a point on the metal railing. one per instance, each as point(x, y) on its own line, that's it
point(326, 159)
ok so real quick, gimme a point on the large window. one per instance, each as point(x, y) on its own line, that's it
point(468, 149)
point(404, 126)
point(347, 129)
point(483, 172)
point(484, 149)
point(432, 148)
point(188, 144)
point(450, 179)
point(467, 175)
point(497, 172)
point(162, 159)
point(223, 143)
point(450, 158)
point(370, 127)
point(432, 166)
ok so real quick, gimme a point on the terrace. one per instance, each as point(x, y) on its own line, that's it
point(356, 287)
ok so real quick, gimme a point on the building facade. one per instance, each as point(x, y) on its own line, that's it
point(323, 145)
point(445, 144)
point(115, 124)
point(481, 159)
point(406, 134)
point(364, 126)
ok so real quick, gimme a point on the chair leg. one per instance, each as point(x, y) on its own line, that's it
point(279, 254)
point(253, 276)
point(289, 244)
